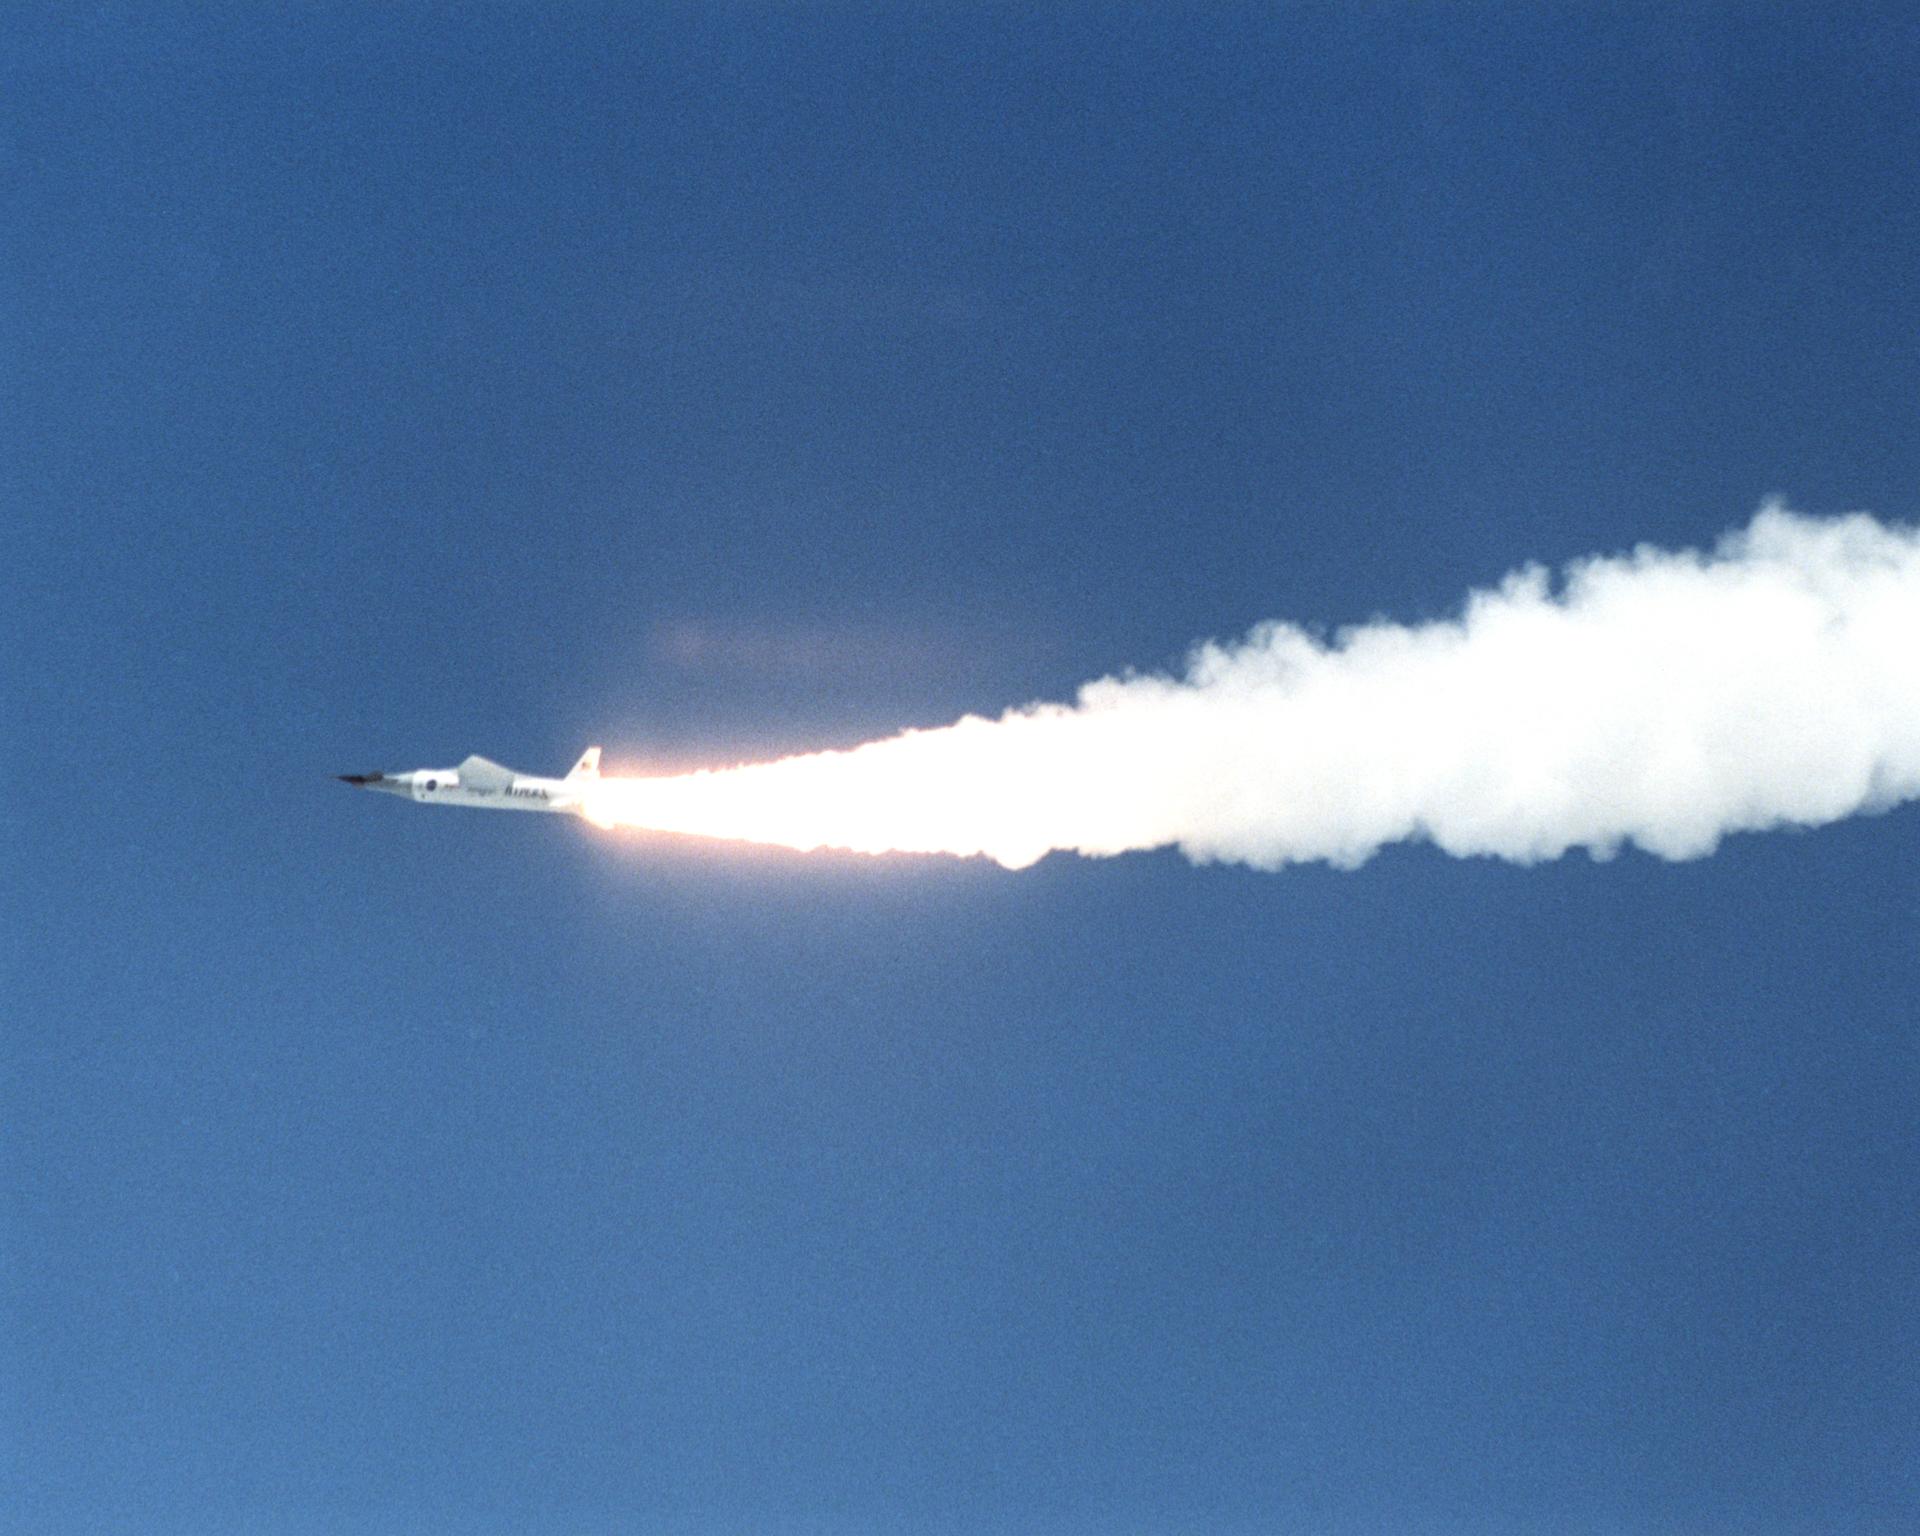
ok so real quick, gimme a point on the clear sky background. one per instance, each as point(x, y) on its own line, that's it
point(380, 384)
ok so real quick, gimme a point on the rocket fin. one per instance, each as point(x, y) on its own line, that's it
point(484, 777)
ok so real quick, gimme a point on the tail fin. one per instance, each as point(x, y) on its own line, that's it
point(589, 765)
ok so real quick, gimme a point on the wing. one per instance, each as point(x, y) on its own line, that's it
point(484, 777)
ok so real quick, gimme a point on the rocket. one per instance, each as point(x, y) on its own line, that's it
point(486, 785)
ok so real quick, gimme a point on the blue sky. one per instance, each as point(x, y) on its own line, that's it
point(379, 384)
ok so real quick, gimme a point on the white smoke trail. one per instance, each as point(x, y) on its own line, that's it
point(1658, 698)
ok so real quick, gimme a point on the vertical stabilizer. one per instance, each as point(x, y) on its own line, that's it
point(589, 765)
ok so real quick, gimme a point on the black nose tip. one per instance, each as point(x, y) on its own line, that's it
point(358, 778)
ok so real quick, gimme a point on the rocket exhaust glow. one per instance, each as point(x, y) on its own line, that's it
point(1657, 698)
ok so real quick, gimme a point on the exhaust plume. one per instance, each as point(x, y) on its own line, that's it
point(1660, 698)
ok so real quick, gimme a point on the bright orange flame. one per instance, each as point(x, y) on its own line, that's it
point(1010, 789)
point(828, 800)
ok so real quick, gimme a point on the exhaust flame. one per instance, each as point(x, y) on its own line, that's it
point(1659, 698)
